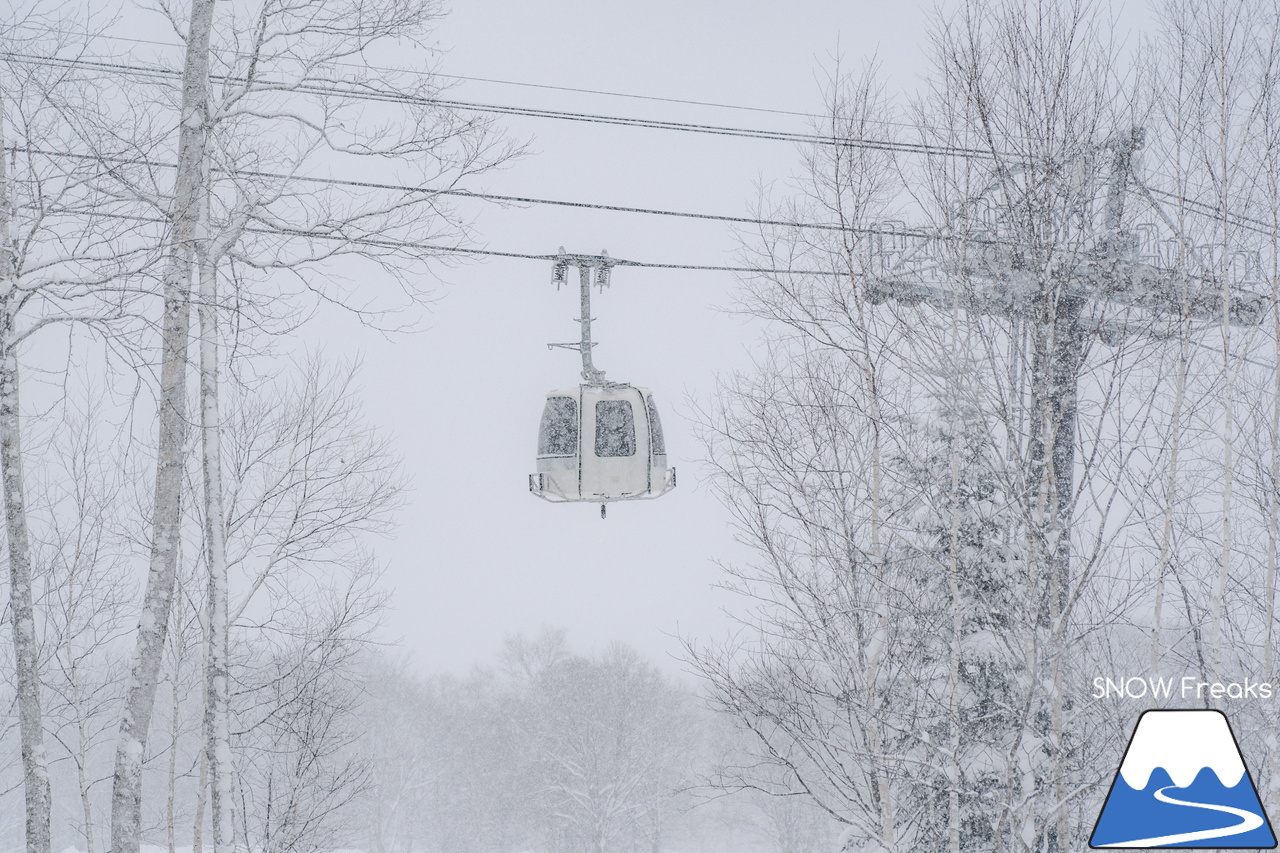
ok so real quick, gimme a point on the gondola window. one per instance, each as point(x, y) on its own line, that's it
point(657, 446)
point(558, 433)
point(615, 428)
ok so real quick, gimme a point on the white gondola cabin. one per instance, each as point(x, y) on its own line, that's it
point(600, 444)
point(601, 441)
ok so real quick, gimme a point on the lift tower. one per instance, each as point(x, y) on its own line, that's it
point(1120, 267)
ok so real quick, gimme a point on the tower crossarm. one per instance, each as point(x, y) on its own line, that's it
point(1127, 252)
point(988, 278)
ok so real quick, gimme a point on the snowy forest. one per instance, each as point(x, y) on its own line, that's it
point(1012, 424)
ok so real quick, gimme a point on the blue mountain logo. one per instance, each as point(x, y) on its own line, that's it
point(1183, 783)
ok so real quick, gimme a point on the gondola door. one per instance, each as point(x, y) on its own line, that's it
point(615, 443)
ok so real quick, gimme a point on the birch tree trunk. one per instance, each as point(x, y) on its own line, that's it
point(953, 770)
point(202, 795)
point(217, 705)
point(35, 771)
point(34, 765)
point(126, 799)
point(1272, 502)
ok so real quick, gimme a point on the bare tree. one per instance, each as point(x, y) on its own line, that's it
point(451, 768)
point(82, 479)
point(240, 197)
point(305, 480)
point(135, 718)
point(608, 739)
point(261, 222)
point(239, 205)
point(547, 750)
point(1214, 70)
point(944, 461)
point(61, 259)
point(297, 769)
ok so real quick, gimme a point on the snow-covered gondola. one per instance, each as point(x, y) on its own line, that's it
point(601, 441)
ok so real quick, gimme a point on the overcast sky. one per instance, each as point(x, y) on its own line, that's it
point(477, 556)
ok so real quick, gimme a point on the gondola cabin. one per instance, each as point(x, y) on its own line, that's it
point(601, 443)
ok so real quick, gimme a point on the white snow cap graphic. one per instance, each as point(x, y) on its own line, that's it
point(1183, 743)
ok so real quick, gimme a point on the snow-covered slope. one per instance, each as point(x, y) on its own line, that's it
point(1182, 742)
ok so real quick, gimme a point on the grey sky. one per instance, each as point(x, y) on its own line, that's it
point(477, 556)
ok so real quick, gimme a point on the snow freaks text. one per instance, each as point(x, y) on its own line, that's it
point(1186, 687)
